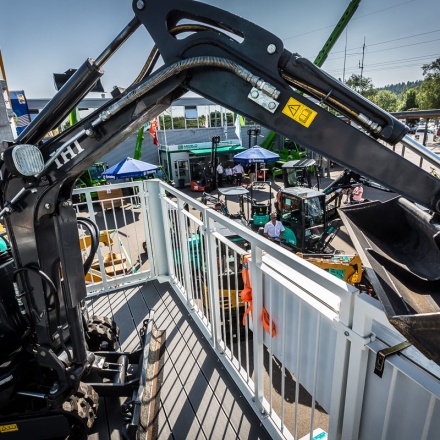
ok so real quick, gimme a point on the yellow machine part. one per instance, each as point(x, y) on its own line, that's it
point(112, 259)
point(104, 237)
point(346, 267)
point(228, 299)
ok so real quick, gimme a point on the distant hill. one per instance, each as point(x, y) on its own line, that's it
point(399, 88)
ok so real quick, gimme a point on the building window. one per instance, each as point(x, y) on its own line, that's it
point(178, 117)
point(191, 117)
point(204, 117)
point(215, 116)
point(165, 120)
point(201, 116)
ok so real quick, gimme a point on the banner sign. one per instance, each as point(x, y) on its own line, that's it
point(21, 110)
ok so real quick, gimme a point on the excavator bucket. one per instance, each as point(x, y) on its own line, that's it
point(399, 247)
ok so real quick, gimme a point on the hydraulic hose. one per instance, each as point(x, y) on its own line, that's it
point(94, 235)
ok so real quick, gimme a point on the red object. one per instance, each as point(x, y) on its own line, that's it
point(246, 296)
point(153, 131)
point(196, 187)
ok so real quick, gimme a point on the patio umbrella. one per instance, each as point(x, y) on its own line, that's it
point(257, 155)
point(129, 168)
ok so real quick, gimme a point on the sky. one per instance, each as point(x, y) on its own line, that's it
point(386, 40)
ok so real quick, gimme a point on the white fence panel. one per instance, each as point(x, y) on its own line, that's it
point(326, 338)
point(121, 214)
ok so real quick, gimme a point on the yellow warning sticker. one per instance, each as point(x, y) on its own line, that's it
point(8, 428)
point(299, 112)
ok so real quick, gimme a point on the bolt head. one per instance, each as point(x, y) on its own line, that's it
point(271, 105)
point(271, 49)
point(140, 4)
point(254, 94)
point(47, 205)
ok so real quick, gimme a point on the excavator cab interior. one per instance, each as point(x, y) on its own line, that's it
point(300, 173)
point(302, 212)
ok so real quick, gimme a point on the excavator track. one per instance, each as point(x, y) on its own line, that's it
point(103, 333)
point(71, 421)
point(84, 406)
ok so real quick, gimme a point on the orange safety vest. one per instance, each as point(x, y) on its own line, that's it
point(246, 296)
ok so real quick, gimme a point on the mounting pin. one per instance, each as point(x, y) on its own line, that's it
point(271, 49)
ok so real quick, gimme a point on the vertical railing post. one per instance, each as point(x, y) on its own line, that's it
point(212, 273)
point(256, 277)
point(160, 225)
point(146, 204)
point(365, 308)
point(341, 361)
point(183, 229)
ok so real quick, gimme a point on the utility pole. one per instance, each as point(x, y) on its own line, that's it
point(361, 66)
point(345, 55)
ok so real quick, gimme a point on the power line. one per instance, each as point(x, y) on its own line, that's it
point(391, 41)
point(354, 18)
point(389, 48)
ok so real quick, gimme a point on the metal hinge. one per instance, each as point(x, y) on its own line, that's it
point(383, 354)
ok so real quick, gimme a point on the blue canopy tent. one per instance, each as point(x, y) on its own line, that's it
point(129, 169)
point(257, 155)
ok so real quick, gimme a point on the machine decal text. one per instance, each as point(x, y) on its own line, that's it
point(8, 428)
point(68, 154)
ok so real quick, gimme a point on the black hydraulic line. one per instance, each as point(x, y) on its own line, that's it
point(314, 81)
point(50, 283)
point(57, 109)
point(94, 235)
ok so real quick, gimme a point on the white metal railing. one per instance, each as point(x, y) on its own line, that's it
point(314, 369)
point(121, 213)
point(327, 335)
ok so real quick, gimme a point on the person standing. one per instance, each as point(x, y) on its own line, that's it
point(273, 228)
point(228, 173)
point(356, 195)
point(220, 172)
point(252, 172)
point(238, 171)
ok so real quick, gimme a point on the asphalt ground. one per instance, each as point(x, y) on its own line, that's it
point(266, 192)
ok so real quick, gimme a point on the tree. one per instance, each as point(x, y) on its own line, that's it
point(386, 100)
point(429, 93)
point(362, 85)
point(409, 100)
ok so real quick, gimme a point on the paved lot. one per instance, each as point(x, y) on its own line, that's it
point(342, 241)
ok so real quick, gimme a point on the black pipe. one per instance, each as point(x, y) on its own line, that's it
point(80, 83)
point(59, 107)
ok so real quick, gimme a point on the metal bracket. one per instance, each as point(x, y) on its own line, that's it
point(354, 337)
point(263, 100)
point(383, 354)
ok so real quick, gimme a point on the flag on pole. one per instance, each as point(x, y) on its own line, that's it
point(238, 128)
point(153, 131)
point(21, 110)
